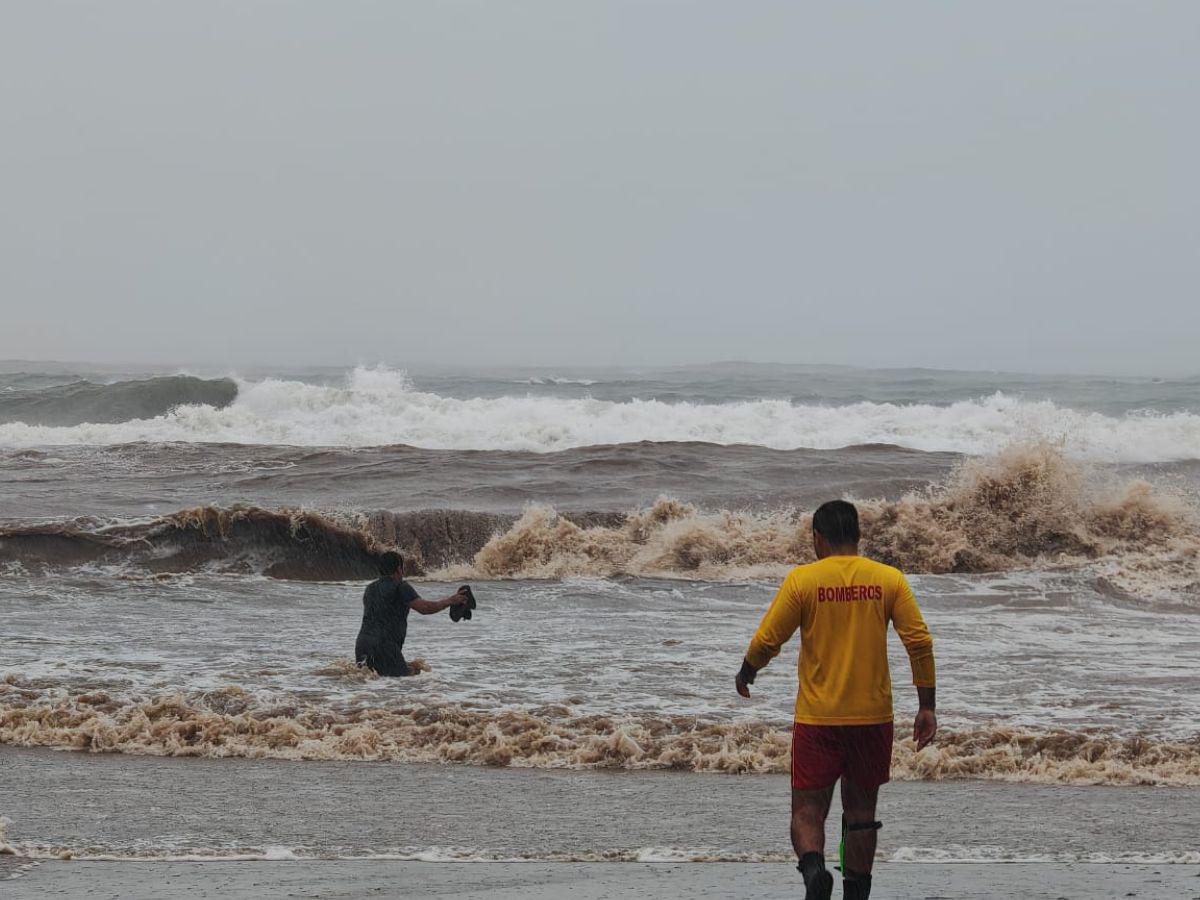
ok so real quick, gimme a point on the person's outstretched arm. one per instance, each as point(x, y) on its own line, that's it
point(776, 629)
point(909, 624)
point(429, 607)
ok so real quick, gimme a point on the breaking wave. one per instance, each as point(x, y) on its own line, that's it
point(381, 407)
point(1027, 506)
point(286, 543)
point(61, 406)
point(230, 722)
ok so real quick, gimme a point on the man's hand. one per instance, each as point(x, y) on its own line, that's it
point(925, 727)
point(742, 687)
point(745, 678)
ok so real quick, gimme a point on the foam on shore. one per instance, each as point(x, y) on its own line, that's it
point(229, 722)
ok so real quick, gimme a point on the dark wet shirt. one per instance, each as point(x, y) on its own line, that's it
point(385, 614)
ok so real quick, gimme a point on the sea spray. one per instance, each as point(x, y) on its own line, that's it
point(1029, 505)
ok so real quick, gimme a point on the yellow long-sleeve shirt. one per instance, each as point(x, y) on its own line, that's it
point(842, 606)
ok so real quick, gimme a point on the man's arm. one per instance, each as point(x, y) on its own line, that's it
point(776, 629)
point(429, 607)
point(909, 624)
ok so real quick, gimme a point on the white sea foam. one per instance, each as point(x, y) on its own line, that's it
point(381, 406)
point(963, 853)
point(580, 382)
point(434, 854)
point(6, 849)
point(951, 854)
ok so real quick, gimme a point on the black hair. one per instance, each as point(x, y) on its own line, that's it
point(837, 522)
point(390, 563)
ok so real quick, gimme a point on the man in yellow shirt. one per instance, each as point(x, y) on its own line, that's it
point(842, 604)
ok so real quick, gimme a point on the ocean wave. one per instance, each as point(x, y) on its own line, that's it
point(60, 407)
point(294, 544)
point(297, 545)
point(1025, 507)
point(231, 722)
point(381, 407)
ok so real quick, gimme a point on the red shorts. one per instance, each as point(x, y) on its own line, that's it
point(821, 754)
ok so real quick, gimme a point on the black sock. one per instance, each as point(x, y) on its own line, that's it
point(818, 882)
point(811, 864)
point(856, 885)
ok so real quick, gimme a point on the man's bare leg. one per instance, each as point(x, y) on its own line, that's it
point(858, 808)
point(809, 811)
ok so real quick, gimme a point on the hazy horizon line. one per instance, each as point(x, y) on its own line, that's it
point(164, 368)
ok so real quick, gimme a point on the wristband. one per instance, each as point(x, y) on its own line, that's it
point(747, 672)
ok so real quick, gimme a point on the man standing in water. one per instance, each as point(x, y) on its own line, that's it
point(386, 603)
point(842, 604)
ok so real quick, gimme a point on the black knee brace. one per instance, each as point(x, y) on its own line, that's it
point(860, 826)
point(853, 826)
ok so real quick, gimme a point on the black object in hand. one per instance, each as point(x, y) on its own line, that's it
point(460, 611)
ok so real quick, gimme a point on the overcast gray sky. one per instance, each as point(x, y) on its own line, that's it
point(1006, 185)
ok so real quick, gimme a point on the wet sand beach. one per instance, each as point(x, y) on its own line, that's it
point(583, 881)
point(135, 826)
point(121, 806)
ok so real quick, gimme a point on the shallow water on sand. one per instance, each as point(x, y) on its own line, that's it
point(624, 673)
point(142, 808)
